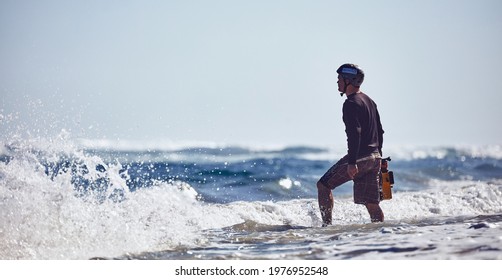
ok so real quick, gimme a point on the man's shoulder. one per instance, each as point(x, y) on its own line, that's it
point(357, 98)
point(363, 97)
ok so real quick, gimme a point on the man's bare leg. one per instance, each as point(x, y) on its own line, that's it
point(376, 213)
point(325, 198)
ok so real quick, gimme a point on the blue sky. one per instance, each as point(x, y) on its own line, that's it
point(249, 72)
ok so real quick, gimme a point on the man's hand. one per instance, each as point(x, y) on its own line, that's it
point(352, 170)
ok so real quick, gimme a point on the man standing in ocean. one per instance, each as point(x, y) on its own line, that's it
point(363, 160)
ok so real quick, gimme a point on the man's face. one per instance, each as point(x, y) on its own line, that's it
point(341, 83)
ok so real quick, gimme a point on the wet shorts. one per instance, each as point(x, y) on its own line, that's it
point(366, 181)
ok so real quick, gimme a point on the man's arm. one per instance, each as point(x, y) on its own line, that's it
point(353, 130)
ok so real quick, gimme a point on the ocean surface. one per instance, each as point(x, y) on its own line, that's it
point(92, 199)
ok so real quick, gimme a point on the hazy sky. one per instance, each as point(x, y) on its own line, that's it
point(250, 72)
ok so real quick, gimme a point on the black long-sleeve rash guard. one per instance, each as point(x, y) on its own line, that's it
point(362, 125)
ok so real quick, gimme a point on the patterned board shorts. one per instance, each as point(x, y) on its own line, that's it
point(366, 181)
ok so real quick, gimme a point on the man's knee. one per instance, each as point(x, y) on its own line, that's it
point(321, 186)
point(372, 206)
